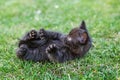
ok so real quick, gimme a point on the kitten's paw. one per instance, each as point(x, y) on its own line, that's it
point(32, 34)
point(42, 34)
point(51, 48)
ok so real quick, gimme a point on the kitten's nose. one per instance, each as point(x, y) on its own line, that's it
point(82, 41)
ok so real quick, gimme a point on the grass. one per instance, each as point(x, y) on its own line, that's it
point(103, 21)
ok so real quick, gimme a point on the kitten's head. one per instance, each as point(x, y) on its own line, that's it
point(77, 36)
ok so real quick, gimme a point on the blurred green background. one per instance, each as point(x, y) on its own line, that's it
point(103, 22)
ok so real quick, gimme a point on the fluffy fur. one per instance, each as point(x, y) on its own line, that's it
point(45, 45)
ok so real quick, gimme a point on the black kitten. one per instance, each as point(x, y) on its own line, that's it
point(52, 46)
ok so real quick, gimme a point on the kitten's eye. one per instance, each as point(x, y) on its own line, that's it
point(84, 35)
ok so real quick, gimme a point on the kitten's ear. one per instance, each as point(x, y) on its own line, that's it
point(83, 25)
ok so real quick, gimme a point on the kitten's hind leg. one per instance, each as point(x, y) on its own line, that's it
point(53, 53)
point(51, 48)
point(42, 34)
point(32, 35)
point(50, 34)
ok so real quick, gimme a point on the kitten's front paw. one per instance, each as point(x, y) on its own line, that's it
point(32, 34)
point(42, 34)
point(51, 48)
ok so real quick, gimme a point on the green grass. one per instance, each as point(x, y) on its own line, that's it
point(103, 21)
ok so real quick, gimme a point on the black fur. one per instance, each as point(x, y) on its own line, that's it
point(45, 45)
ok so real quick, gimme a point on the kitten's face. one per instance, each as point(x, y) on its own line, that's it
point(77, 36)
